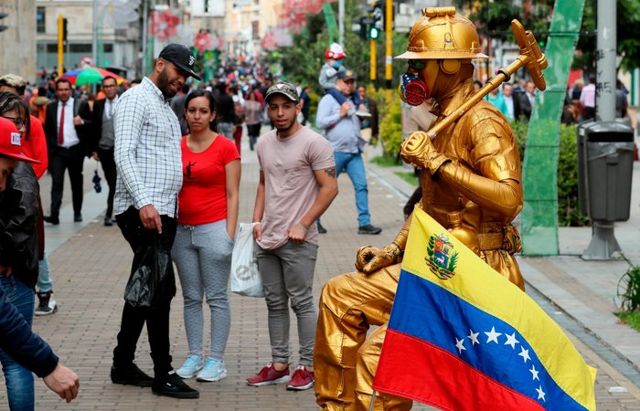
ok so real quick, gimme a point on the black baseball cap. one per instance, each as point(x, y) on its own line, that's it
point(286, 89)
point(181, 57)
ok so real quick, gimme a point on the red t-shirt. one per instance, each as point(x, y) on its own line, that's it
point(203, 197)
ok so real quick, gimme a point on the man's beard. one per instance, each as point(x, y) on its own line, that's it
point(287, 128)
point(163, 85)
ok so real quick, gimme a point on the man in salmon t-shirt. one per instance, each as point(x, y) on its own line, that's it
point(297, 184)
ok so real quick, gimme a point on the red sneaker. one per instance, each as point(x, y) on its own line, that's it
point(301, 379)
point(268, 376)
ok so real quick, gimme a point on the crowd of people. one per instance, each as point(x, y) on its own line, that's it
point(516, 101)
point(170, 152)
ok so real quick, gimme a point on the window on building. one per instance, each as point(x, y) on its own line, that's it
point(80, 48)
point(52, 47)
point(40, 19)
point(108, 48)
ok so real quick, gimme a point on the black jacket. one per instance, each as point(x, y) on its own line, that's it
point(80, 108)
point(18, 215)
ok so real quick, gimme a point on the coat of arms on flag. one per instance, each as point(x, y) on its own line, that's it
point(475, 340)
point(441, 256)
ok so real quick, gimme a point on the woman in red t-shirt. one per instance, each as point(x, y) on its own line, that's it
point(207, 218)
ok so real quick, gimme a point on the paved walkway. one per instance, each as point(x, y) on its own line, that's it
point(90, 265)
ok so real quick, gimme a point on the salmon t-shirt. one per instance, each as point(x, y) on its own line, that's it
point(203, 197)
point(290, 185)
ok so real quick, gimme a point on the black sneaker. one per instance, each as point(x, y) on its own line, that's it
point(173, 386)
point(131, 375)
point(369, 229)
point(46, 304)
point(321, 229)
point(51, 220)
point(77, 217)
point(108, 221)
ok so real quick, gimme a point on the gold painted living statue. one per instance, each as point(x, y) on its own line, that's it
point(471, 184)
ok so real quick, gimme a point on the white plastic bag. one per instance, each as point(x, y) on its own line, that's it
point(245, 277)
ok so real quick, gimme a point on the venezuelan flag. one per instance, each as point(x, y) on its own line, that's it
point(462, 337)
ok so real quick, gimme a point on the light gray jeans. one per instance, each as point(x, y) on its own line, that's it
point(202, 254)
point(287, 274)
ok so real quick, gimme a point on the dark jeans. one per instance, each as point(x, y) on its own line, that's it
point(133, 318)
point(253, 130)
point(61, 159)
point(109, 168)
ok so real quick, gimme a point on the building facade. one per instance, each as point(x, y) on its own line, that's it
point(115, 47)
point(18, 51)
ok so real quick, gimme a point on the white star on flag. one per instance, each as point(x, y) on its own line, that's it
point(473, 337)
point(541, 393)
point(511, 340)
point(534, 373)
point(492, 335)
point(460, 345)
point(524, 353)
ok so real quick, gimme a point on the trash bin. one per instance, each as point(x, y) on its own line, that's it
point(605, 168)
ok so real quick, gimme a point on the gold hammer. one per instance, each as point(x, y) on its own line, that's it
point(530, 57)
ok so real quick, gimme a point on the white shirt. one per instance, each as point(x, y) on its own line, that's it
point(511, 111)
point(70, 135)
point(109, 107)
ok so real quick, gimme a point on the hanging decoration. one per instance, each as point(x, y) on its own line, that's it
point(203, 41)
point(163, 24)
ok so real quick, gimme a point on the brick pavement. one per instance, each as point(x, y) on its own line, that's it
point(90, 270)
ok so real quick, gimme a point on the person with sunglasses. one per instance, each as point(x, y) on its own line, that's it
point(35, 145)
point(21, 351)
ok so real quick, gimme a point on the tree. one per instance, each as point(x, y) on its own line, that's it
point(628, 35)
point(494, 17)
point(302, 62)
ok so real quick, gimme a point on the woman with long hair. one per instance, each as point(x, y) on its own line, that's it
point(207, 219)
point(253, 110)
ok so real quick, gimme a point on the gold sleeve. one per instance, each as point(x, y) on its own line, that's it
point(494, 154)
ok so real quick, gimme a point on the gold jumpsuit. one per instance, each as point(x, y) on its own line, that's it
point(475, 194)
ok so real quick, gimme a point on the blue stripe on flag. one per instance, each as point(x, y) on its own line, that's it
point(429, 312)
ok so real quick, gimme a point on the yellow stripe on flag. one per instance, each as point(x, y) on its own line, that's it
point(480, 285)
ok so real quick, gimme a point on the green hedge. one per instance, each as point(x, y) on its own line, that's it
point(569, 214)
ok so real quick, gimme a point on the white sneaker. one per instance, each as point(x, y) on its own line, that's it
point(191, 366)
point(213, 371)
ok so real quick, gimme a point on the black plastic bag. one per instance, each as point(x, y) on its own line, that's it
point(152, 281)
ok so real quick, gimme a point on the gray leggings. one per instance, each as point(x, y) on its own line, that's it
point(202, 254)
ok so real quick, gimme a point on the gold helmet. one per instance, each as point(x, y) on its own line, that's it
point(441, 33)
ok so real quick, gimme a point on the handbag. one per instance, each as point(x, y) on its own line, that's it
point(245, 277)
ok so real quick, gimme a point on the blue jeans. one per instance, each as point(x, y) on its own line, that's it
point(354, 166)
point(19, 380)
point(45, 284)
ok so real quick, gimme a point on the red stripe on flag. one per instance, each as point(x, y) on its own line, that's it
point(415, 369)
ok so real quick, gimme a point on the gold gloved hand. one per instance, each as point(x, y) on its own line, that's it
point(419, 150)
point(370, 259)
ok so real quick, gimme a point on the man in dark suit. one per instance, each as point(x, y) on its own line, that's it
point(66, 124)
point(103, 138)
